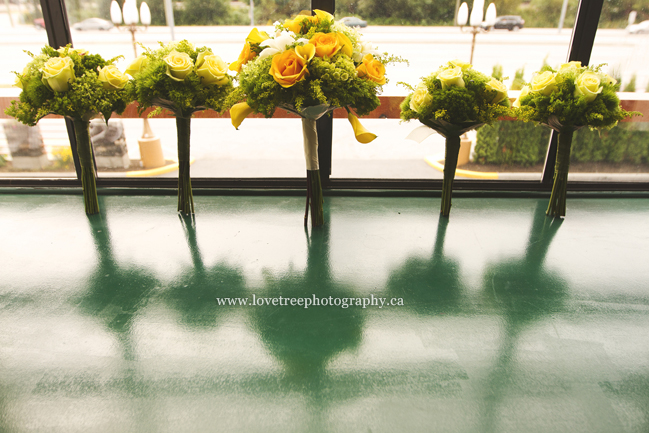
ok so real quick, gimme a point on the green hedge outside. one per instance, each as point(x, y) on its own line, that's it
point(524, 144)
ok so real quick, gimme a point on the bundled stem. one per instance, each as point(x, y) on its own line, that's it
point(314, 198)
point(185, 196)
point(557, 205)
point(450, 164)
point(88, 181)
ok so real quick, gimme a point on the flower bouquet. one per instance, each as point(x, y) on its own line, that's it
point(565, 100)
point(79, 86)
point(182, 79)
point(453, 100)
point(309, 67)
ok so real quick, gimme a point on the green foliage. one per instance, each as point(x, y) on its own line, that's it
point(62, 158)
point(519, 81)
point(571, 109)
point(518, 143)
point(407, 12)
point(497, 72)
point(546, 13)
point(622, 144)
point(3, 160)
point(153, 87)
point(454, 104)
point(85, 98)
point(511, 143)
point(630, 86)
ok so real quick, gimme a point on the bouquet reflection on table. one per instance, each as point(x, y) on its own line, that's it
point(431, 285)
point(194, 292)
point(525, 292)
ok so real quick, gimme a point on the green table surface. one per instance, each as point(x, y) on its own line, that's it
point(510, 321)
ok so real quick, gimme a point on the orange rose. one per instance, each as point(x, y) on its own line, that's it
point(372, 69)
point(326, 44)
point(288, 68)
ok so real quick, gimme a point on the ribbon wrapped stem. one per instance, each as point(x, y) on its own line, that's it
point(314, 198)
point(88, 180)
point(557, 205)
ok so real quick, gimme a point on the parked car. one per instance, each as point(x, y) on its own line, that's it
point(93, 24)
point(39, 23)
point(354, 22)
point(508, 22)
point(634, 29)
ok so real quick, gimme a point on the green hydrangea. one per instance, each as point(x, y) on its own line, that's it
point(557, 95)
point(153, 86)
point(85, 97)
point(473, 102)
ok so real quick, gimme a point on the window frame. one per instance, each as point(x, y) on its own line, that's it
point(581, 44)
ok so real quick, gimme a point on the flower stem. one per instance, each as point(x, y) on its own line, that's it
point(314, 198)
point(450, 164)
point(88, 181)
point(557, 205)
point(185, 197)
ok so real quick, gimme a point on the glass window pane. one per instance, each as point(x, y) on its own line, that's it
point(621, 154)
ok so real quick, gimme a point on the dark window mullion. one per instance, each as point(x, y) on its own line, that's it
point(581, 47)
point(324, 125)
point(58, 35)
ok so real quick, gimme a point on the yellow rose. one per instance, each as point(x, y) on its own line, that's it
point(326, 44)
point(451, 77)
point(112, 78)
point(137, 65)
point(371, 69)
point(201, 57)
point(499, 88)
point(588, 86)
point(64, 51)
point(295, 25)
point(57, 73)
point(213, 71)
point(179, 65)
point(288, 68)
point(570, 65)
point(461, 64)
point(605, 78)
point(19, 78)
point(524, 92)
point(544, 83)
point(420, 98)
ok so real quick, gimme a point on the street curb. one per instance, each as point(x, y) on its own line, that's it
point(156, 171)
point(434, 161)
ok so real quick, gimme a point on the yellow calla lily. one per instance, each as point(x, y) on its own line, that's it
point(306, 51)
point(238, 112)
point(345, 44)
point(256, 37)
point(322, 15)
point(362, 135)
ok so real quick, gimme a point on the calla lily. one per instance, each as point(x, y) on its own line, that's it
point(305, 52)
point(362, 135)
point(256, 37)
point(238, 112)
